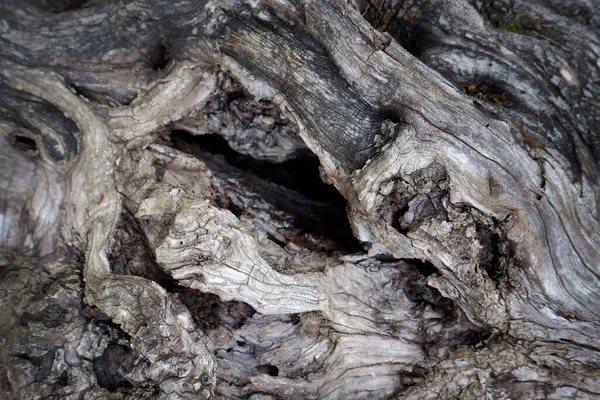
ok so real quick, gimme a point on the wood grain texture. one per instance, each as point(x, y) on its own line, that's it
point(316, 199)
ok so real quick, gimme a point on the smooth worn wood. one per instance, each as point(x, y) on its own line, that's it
point(320, 199)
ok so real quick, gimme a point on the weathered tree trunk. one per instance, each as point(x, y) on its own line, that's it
point(167, 230)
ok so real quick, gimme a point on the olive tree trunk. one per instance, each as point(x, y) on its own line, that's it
point(312, 199)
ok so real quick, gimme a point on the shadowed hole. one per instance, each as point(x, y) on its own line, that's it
point(424, 267)
point(490, 255)
point(159, 58)
point(399, 208)
point(63, 379)
point(323, 208)
point(25, 144)
point(407, 22)
point(300, 174)
point(268, 369)
point(475, 337)
point(488, 92)
point(58, 6)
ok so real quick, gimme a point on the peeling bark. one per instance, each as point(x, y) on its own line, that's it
point(300, 199)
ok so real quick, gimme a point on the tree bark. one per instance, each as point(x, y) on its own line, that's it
point(319, 199)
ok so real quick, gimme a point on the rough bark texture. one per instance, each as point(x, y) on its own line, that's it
point(319, 199)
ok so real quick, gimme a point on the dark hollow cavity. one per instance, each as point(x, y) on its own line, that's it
point(300, 175)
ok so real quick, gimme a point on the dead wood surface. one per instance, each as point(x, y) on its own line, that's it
point(311, 199)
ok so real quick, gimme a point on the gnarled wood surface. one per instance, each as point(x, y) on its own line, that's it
point(318, 199)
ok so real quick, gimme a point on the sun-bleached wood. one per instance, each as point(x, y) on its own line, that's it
point(142, 259)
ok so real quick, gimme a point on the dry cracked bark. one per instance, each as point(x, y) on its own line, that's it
point(300, 199)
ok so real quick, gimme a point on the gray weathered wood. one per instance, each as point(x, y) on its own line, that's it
point(166, 233)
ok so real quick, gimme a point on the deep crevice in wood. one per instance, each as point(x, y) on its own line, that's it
point(59, 6)
point(25, 144)
point(300, 175)
point(159, 57)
